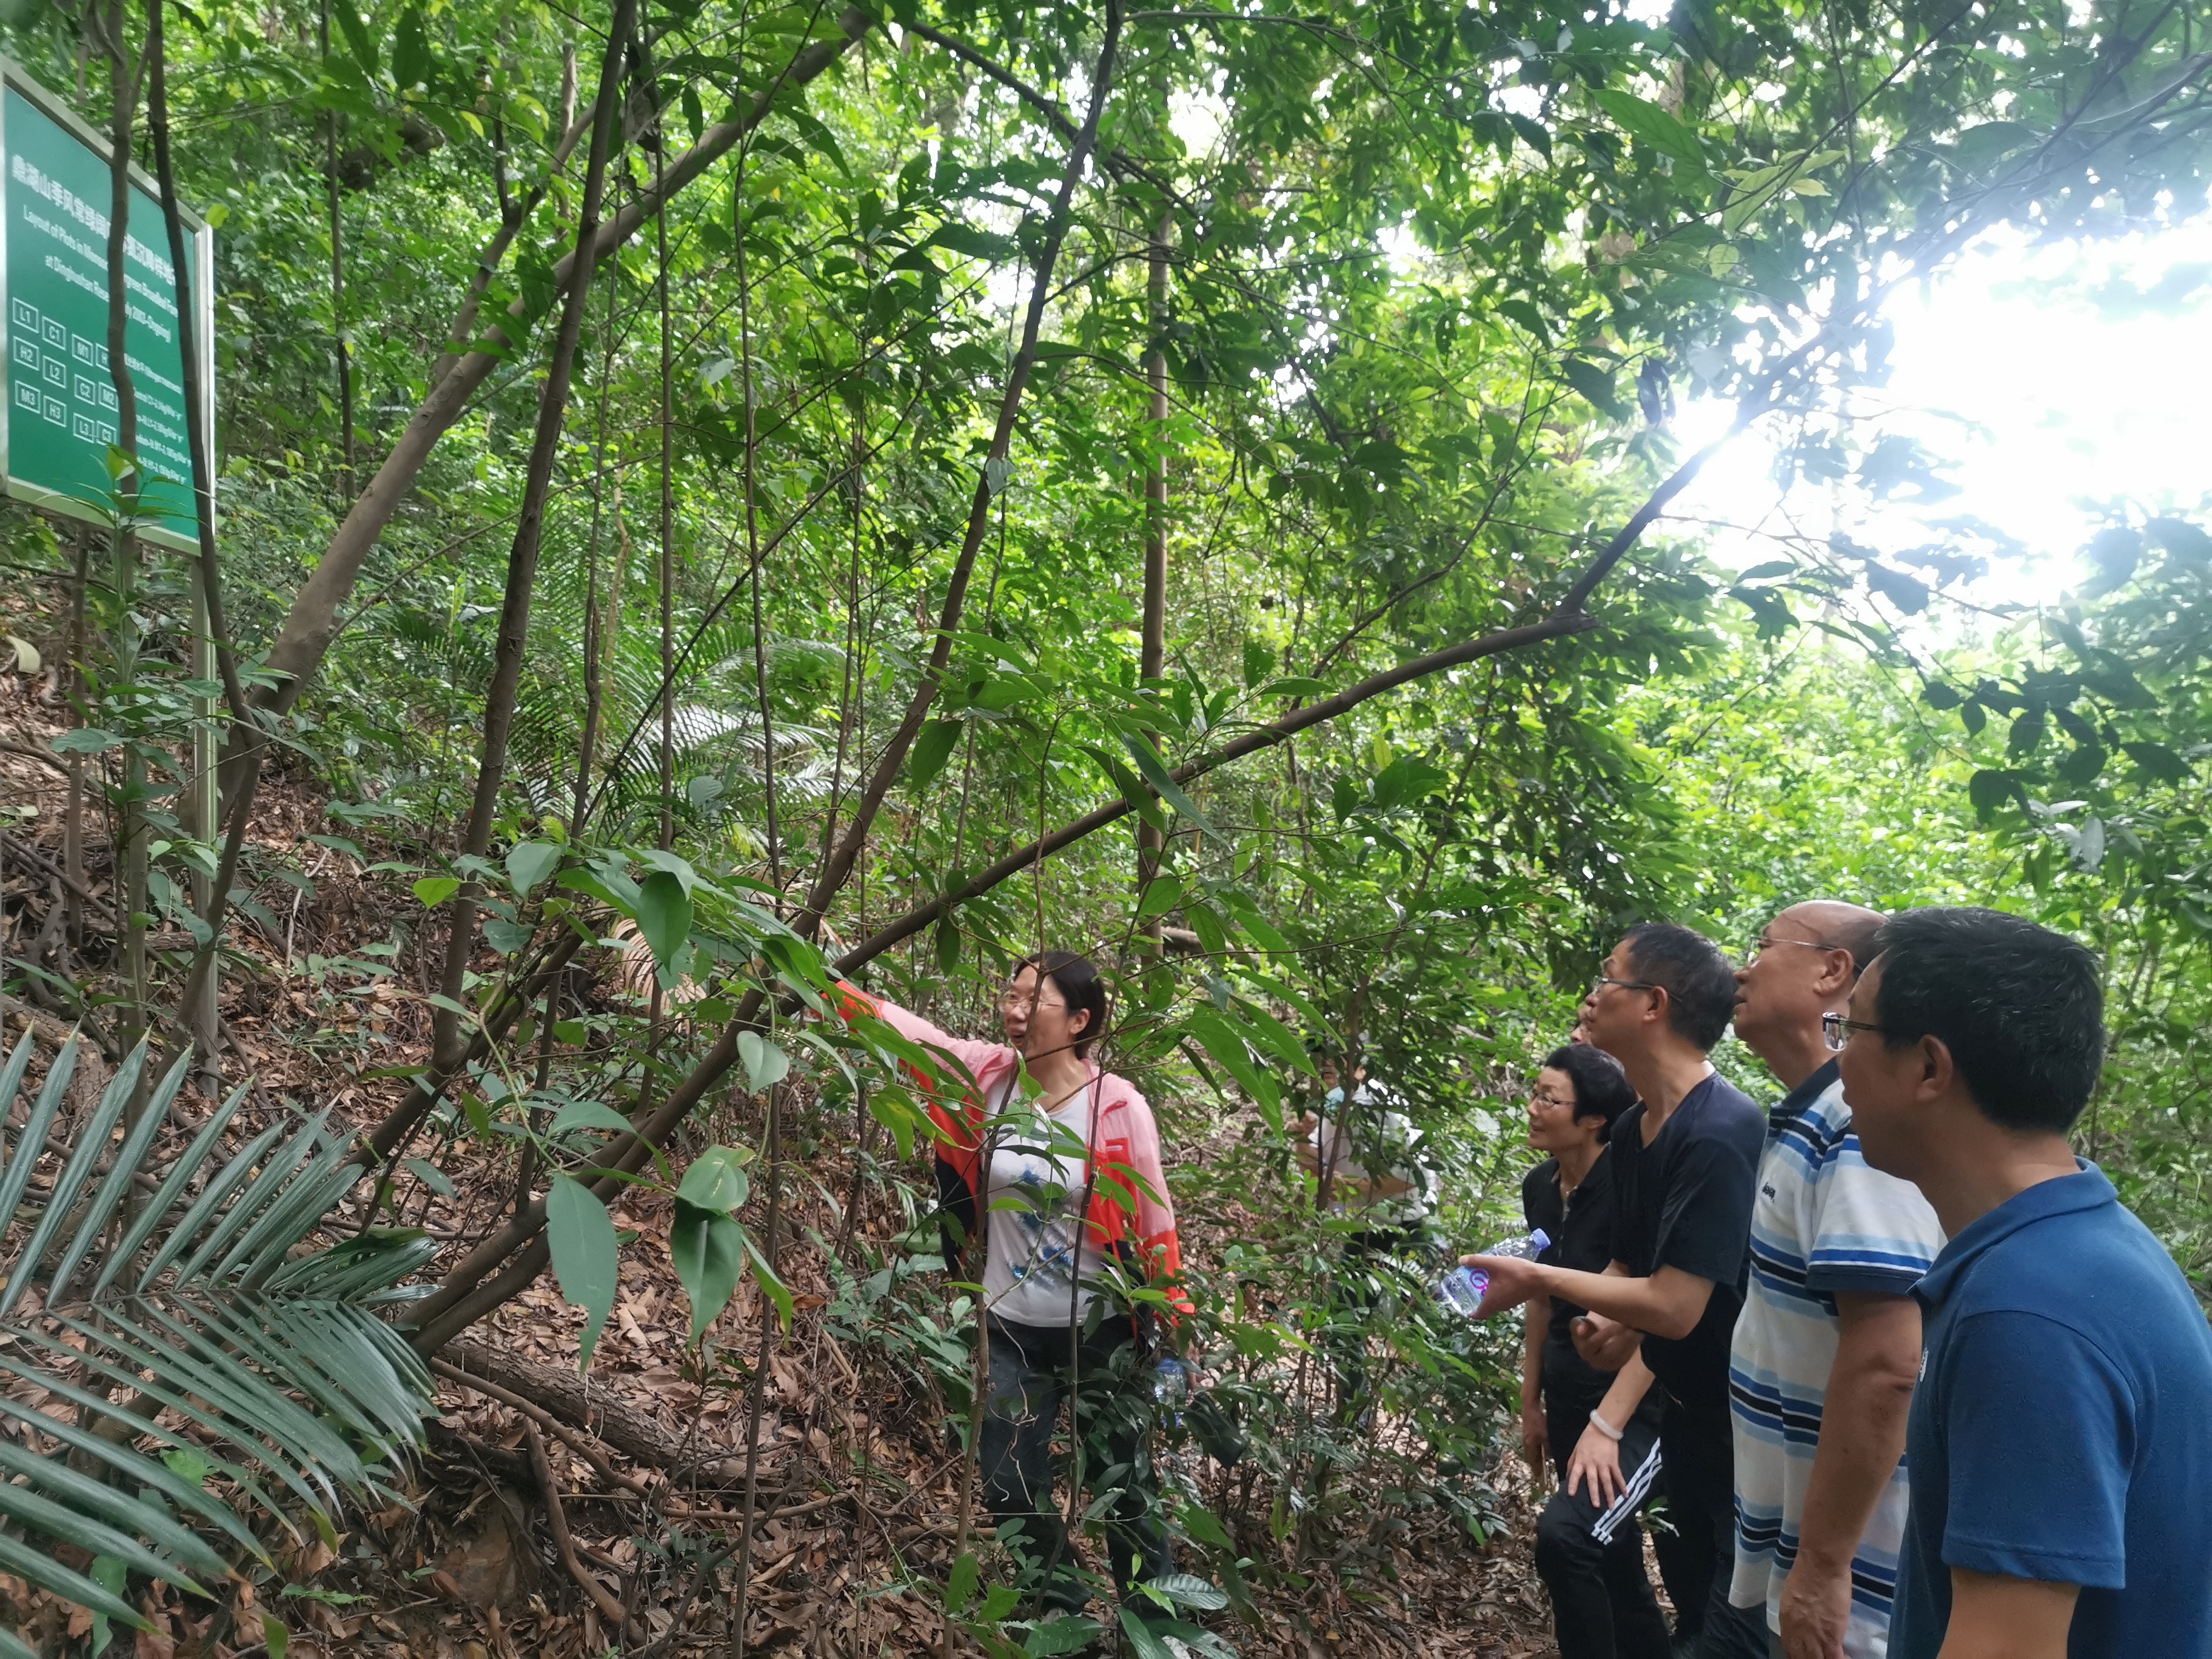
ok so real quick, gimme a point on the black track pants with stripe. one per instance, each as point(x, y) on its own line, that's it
point(1591, 1555)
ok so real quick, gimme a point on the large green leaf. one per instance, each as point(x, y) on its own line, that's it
point(586, 1255)
point(663, 916)
point(1148, 763)
point(708, 1249)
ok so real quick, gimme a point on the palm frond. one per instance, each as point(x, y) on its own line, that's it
point(196, 1335)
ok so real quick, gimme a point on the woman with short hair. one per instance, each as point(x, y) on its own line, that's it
point(1603, 1429)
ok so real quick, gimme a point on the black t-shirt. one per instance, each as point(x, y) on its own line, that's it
point(1581, 1231)
point(1684, 1201)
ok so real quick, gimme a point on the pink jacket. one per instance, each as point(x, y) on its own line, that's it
point(1129, 1214)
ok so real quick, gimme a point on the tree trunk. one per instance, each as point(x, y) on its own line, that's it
point(123, 93)
point(197, 1005)
point(1153, 651)
point(529, 537)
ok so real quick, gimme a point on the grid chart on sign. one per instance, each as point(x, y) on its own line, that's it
point(60, 376)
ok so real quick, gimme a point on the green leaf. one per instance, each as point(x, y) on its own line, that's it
point(434, 891)
point(716, 1180)
point(661, 859)
point(585, 1115)
point(1908, 593)
point(1162, 894)
point(111, 1575)
point(2183, 539)
point(274, 1636)
point(529, 862)
point(932, 750)
point(2157, 761)
point(1596, 387)
point(961, 1583)
point(1262, 930)
point(364, 52)
point(1989, 790)
point(1189, 1590)
point(85, 740)
point(1276, 1037)
point(431, 1177)
point(708, 1251)
point(1295, 686)
point(586, 1257)
point(765, 1064)
point(1221, 1040)
point(765, 1275)
point(664, 917)
point(506, 936)
point(1259, 662)
point(412, 62)
point(1648, 124)
point(1148, 763)
point(1142, 1642)
point(1139, 798)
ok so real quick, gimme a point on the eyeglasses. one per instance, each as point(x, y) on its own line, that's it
point(1762, 944)
point(1836, 1030)
point(1011, 1001)
point(1538, 1097)
point(1602, 981)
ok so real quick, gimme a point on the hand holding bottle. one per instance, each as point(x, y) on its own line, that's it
point(1477, 1288)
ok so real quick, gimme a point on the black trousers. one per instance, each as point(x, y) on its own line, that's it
point(1591, 1555)
point(1035, 1370)
point(1700, 1450)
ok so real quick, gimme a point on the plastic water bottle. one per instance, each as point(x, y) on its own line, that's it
point(1461, 1290)
point(1172, 1383)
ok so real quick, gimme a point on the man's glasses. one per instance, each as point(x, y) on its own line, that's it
point(1598, 985)
point(1538, 1097)
point(1762, 944)
point(1836, 1030)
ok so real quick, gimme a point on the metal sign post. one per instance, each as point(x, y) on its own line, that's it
point(58, 386)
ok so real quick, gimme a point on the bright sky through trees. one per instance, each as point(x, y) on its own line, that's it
point(2055, 382)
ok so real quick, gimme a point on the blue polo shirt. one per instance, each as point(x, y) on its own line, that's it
point(2062, 1426)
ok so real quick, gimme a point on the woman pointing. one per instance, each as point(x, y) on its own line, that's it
point(1057, 1164)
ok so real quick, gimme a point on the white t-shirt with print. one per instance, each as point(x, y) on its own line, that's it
point(1036, 1205)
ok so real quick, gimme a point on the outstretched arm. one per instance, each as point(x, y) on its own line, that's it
point(1669, 1304)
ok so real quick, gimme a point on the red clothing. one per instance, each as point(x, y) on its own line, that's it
point(1129, 1213)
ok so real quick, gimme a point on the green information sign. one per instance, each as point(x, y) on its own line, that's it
point(59, 383)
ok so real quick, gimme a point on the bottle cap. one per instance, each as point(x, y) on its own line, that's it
point(1540, 1239)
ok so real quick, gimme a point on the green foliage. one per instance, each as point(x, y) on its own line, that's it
point(1431, 281)
point(192, 1300)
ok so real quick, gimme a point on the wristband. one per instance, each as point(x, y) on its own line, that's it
point(1604, 1428)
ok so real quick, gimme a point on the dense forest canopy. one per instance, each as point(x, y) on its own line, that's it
point(715, 499)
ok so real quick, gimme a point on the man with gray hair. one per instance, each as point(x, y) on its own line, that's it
point(1822, 1363)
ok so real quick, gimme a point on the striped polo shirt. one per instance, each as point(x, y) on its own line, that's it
point(1823, 1222)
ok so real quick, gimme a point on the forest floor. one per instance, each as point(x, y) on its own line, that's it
point(857, 1466)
